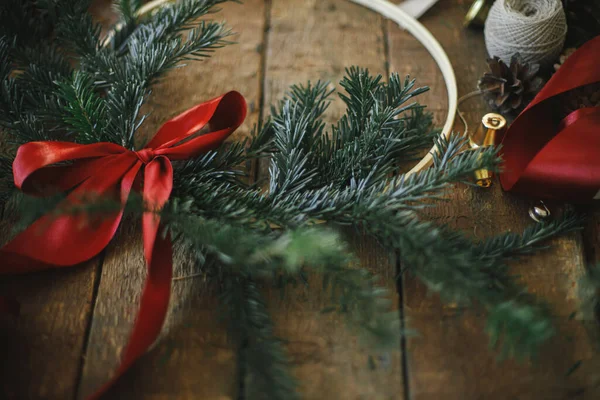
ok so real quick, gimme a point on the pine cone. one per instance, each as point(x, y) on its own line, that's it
point(510, 89)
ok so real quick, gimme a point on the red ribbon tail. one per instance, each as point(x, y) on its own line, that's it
point(154, 304)
point(158, 183)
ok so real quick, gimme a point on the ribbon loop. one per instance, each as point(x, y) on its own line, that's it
point(102, 169)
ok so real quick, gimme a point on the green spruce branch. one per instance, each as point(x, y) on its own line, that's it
point(449, 263)
point(261, 354)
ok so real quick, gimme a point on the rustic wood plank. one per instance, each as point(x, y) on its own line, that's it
point(311, 40)
point(41, 349)
point(408, 57)
point(193, 359)
point(104, 14)
point(450, 358)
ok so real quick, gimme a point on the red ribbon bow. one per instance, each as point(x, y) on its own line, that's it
point(104, 169)
point(554, 159)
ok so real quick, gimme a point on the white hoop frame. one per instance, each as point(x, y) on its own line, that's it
point(405, 21)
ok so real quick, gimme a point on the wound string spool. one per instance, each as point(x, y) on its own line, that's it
point(534, 28)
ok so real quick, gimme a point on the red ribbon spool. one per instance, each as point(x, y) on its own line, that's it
point(106, 169)
point(550, 159)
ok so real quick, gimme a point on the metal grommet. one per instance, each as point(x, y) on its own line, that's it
point(539, 212)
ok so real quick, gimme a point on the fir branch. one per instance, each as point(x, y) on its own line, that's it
point(149, 56)
point(40, 68)
point(221, 166)
point(20, 20)
point(510, 245)
point(167, 23)
point(369, 140)
point(448, 262)
point(366, 200)
point(80, 35)
point(10, 96)
point(441, 258)
point(31, 22)
point(354, 292)
point(123, 106)
point(361, 87)
point(357, 294)
point(457, 269)
point(445, 262)
point(148, 48)
point(261, 353)
point(518, 329)
point(296, 126)
point(249, 252)
point(6, 65)
point(152, 49)
point(27, 128)
point(450, 165)
point(86, 111)
point(6, 180)
point(170, 21)
point(127, 9)
point(213, 166)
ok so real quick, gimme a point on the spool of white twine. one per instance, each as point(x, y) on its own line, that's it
point(534, 28)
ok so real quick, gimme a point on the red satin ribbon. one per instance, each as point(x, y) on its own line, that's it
point(106, 169)
point(546, 158)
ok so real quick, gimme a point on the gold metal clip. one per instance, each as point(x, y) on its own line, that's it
point(485, 135)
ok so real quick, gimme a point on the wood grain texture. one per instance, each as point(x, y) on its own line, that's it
point(41, 349)
point(407, 56)
point(193, 359)
point(450, 358)
point(311, 40)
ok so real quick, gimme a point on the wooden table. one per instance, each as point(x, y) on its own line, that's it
point(74, 323)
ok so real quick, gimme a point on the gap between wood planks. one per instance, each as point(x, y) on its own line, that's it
point(88, 327)
point(399, 277)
